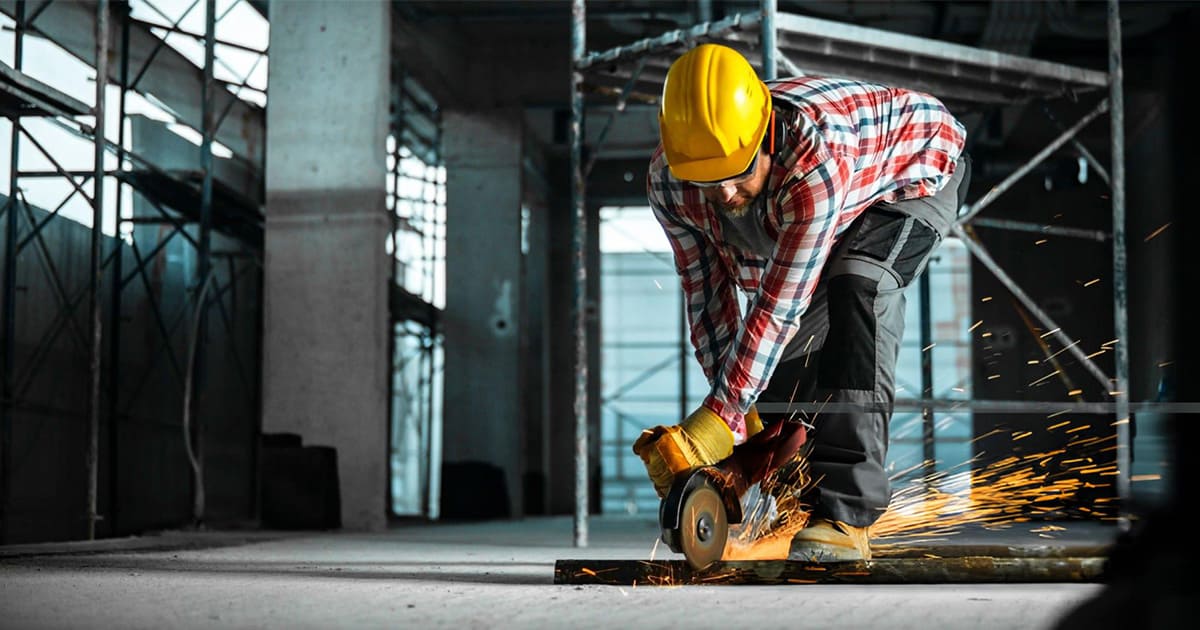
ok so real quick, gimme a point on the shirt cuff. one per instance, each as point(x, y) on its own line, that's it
point(733, 417)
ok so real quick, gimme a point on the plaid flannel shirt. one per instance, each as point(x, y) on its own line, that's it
point(849, 146)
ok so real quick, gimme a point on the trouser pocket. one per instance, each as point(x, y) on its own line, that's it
point(899, 242)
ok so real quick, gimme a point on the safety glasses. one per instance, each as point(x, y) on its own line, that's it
point(745, 176)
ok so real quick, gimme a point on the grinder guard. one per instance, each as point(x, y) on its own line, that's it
point(750, 463)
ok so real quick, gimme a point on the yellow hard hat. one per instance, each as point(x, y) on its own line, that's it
point(714, 114)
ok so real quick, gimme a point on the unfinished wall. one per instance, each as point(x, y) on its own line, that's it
point(144, 474)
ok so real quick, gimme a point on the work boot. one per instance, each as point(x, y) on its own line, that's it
point(823, 540)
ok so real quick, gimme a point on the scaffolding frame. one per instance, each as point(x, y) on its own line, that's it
point(179, 199)
point(957, 74)
point(416, 125)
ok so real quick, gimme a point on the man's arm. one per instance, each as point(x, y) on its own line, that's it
point(709, 292)
point(808, 214)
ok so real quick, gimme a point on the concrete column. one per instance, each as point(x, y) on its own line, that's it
point(482, 430)
point(325, 328)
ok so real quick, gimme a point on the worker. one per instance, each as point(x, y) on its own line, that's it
point(822, 199)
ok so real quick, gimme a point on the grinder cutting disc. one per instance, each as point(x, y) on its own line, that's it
point(703, 526)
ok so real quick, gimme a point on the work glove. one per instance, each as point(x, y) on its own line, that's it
point(701, 439)
point(753, 422)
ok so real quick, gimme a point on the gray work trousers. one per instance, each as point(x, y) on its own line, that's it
point(847, 345)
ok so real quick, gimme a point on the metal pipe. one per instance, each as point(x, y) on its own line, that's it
point(96, 271)
point(197, 36)
point(58, 167)
point(86, 175)
point(114, 317)
point(37, 229)
point(70, 126)
point(770, 51)
point(684, 343)
point(1120, 318)
point(77, 189)
point(195, 451)
point(7, 362)
point(175, 28)
point(196, 362)
point(32, 17)
point(1038, 228)
point(206, 154)
point(54, 278)
point(1051, 408)
point(671, 40)
point(396, 127)
point(579, 259)
point(241, 86)
point(434, 437)
point(929, 452)
point(927, 570)
point(1009, 181)
point(162, 41)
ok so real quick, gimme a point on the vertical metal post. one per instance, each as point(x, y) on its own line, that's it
point(927, 437)
point(114, 317)
point(704, 11)
point(579, 254)
point(684, 344)
point(1120, 317)
point(93, 428)
point(770, 52)
point(433, 440)
point(395, 124)
point(7, 363)
point(398, 123)
point(203, 264)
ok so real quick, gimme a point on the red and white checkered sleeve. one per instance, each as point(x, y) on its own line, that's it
point(808, 217)
point(708, 290)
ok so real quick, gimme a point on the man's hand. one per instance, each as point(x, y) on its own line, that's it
point(701, 439)
point(753, 422)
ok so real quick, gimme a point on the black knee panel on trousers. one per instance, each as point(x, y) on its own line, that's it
point(880, 233)
point(848, 358)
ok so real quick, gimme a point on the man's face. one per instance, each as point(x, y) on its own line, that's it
point(734, 197)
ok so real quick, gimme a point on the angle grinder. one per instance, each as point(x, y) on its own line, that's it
point(697, 512)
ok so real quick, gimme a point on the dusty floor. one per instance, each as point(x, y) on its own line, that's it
point(474, 575)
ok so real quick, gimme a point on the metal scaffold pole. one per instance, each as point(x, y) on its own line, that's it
point(1120, 316)
point(7, 362)
point(196, 360)
point(770, 50)
point(93, 429)
point(114, 316)
point(579, 258)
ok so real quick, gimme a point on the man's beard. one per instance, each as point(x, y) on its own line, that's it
point(736, 212)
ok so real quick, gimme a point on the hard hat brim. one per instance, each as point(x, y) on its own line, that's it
point(724, 167)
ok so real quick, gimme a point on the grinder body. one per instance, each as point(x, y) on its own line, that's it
point(701, 505)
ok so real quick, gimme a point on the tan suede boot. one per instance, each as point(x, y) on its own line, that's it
point(830, 541)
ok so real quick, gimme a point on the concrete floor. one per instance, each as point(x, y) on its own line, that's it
point(476, 575)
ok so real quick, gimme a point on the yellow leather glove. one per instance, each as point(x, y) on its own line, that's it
point(753, 422)
point(701, 439)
